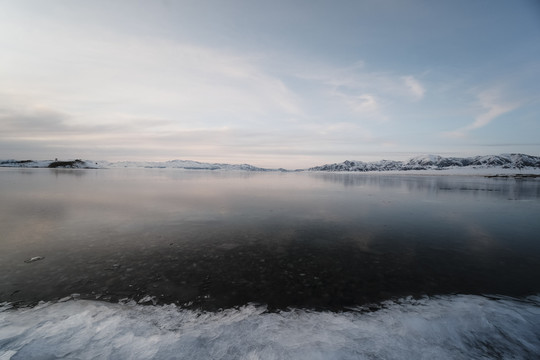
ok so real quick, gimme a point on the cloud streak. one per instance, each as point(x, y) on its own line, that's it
point(416, 89)
point(493, 107)
point(492, 104)
point(361, 93)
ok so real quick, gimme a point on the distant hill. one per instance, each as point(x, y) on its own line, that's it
point(424, 162)
point(182, 164)
point(53, 164)
point(87, 164)
point(436, 162)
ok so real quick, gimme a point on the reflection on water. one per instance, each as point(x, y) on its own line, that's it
point(504, 187)
point(216, 239)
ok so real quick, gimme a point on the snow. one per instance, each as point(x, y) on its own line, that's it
point(446, 327)
point(179, 164)
point(25, 163)
point(89, 164)
point(461, 171)
point(64, 164)
point(425, 165)
point(437, 165)
point(426, 159)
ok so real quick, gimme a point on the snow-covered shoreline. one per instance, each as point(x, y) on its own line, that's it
point(90, 164)
point(473, 171)
point(503, 165)
point(443, 327)
point(64, 164)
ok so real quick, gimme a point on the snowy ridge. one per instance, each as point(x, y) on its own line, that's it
point(436, 162)
point(53, 164)
point(87, 164)
point(445, 327)
point(420, 163)
point(181, 164)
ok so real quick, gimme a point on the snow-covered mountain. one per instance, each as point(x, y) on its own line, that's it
point(436, 162)
point(424, 162)
point(87, 164)
point(181, 164)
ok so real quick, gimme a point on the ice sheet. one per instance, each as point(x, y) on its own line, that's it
point(450, 327)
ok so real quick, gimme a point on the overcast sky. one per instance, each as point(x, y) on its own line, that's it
point(271, 83)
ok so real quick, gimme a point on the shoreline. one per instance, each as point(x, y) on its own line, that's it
point(488, 172)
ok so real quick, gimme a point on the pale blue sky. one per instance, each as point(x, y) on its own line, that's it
point(271, 83)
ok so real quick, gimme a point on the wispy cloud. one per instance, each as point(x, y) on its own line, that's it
point(365, 105)
point(491, 104)
point(364, 93)
point(415, 87)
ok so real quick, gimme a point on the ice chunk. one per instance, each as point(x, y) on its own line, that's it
point(147, 300)
point(70, 297)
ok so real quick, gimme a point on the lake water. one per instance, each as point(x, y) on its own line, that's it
point(348, 265)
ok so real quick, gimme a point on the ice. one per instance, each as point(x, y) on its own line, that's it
point(35, 258)
point(7, 355)
point(451, 327)
point(70, 297)
point(148, 300)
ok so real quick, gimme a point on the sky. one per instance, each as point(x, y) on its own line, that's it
point(293, 83)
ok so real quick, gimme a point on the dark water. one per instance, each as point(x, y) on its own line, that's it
point(213, 240)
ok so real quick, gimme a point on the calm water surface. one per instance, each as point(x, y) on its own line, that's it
point(215, 240)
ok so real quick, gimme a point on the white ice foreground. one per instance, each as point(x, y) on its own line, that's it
point(449, 327)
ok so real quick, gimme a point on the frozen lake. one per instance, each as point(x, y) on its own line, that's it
point(221, 239)
point(314, 242)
